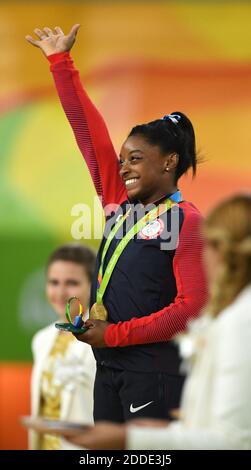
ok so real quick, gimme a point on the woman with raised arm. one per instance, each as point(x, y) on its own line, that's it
point(149, 279)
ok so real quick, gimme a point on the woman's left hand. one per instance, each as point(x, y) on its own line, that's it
point(95, 334)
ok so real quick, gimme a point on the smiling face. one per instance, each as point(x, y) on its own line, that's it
point(143, 168)
point(66, 279)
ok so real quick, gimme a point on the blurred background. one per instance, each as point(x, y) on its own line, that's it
point(138, 60)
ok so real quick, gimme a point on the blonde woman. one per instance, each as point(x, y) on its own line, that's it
point(216, 411)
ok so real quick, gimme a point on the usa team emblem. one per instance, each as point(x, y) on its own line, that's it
point(152, 230)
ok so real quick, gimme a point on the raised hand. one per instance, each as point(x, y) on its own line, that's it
point(53, 41)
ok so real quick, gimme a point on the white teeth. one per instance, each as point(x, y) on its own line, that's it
point(133, 180)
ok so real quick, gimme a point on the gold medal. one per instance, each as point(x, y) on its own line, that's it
point(98, 312)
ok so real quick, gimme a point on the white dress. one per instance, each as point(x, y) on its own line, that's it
point(216, 409)
point(73, 374)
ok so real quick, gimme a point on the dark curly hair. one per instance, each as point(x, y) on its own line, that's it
point(173, 133)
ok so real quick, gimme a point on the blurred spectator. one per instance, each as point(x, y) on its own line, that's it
point(64, 369)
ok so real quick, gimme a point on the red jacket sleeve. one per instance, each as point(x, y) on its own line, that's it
point(89, 129)
point(191, 294)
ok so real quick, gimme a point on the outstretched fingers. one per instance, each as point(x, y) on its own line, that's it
point(51, 41)
point(41, 34)
point(59, 30)
point(74, 30)
point(32, 41)
point(48, 31)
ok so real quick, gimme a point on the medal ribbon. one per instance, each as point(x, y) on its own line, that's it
point(153, 214)
point(68, 305)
